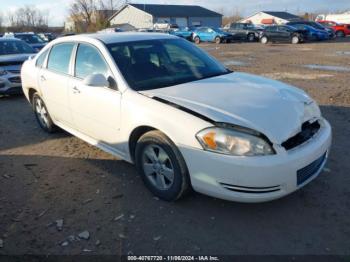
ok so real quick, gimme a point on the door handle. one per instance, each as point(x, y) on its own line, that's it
point(42, 78)
point(76, 90)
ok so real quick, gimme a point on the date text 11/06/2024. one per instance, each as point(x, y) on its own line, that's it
point(173, 258)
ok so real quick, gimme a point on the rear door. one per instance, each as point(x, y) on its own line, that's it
point(96, 110)
point(53, 81)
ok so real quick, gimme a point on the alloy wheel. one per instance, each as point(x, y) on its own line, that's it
point(264, 40)
point(158, 167)
point(295, 40)
point(41, 112)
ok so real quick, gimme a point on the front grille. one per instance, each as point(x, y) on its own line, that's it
point(310, 170)
point(251, 190)
point(2, 84)
point(16, 79)
point(308, 130)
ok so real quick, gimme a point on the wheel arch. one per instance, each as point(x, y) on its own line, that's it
point(135, 136)
point(31, 92)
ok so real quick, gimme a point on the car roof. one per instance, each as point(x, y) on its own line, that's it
point(110, 38)
point(3, 39)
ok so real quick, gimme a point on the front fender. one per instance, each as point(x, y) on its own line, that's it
point(140, 110)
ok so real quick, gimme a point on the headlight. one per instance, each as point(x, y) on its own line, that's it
point(233, 142)
point(3, 72)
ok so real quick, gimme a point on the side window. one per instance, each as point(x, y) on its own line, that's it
point(89, 61)
point(59, 58)
point(41, 59)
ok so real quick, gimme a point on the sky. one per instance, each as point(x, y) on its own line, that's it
point(58, 9)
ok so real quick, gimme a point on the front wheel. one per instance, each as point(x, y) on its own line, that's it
point(295, 40)
point(264, 40)
point(197, 40)
point(162, 166)
point(42, 114)
point(340, 34)
point(217, 40)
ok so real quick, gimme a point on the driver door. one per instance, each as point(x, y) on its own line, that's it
point(95, 109)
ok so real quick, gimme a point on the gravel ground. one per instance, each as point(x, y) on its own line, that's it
point(54, 188)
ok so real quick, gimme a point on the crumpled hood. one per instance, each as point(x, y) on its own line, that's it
point(270, 107)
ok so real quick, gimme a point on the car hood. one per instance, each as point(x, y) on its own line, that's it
point(13, 59)
point(270, 107)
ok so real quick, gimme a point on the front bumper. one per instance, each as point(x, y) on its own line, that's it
point(257, 179)
point(10, 85)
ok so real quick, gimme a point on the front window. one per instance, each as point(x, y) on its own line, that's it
point(89, 61)
point(155, 64)
point(15, 47)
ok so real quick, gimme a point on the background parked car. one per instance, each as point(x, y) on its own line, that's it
point(47, 37)
point(341, 30)
point(184, 32)
point(13, 52)
point(243, 31)
point(209, 34)
point(313, 33)
point(282, 33)
point(35, 41)
point(316, 25)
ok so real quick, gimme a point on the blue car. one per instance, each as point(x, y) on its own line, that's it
point(313, 33)
point(209, 34)
point(184, 32)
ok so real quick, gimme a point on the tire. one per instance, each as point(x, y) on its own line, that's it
point(295, 40)
point(251, 38)
point(197, 40)
point(264, 40)
point(156, 155)
point(42, 114)
point(217, 40)
point(340, 34)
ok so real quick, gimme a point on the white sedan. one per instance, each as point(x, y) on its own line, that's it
point(185, 120)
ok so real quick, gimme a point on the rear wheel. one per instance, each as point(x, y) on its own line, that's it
point(162, 166)
point(295, 40)
point(264, 40)
point(340, 34)
point(197, 40)
point(42, 114)
point(217, 40)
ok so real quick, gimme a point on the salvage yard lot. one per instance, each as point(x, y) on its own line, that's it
point(45, 178)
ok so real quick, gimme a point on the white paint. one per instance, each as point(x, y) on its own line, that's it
point(108, 118)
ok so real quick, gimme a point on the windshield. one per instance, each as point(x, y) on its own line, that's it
point(31, 39)
point(14, 47)
point(155, 64)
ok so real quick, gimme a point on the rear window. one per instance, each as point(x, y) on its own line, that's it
point(59, 58)
point(41, 59)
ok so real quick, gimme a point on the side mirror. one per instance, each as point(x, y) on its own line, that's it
point(96, 80)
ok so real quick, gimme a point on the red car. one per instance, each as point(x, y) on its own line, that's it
point(341, 30)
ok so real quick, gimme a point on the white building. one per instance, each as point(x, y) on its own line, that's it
point(338, 18)
point(270, 18)
point(147, 15)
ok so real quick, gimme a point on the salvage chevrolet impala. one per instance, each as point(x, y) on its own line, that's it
point(180, 116)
